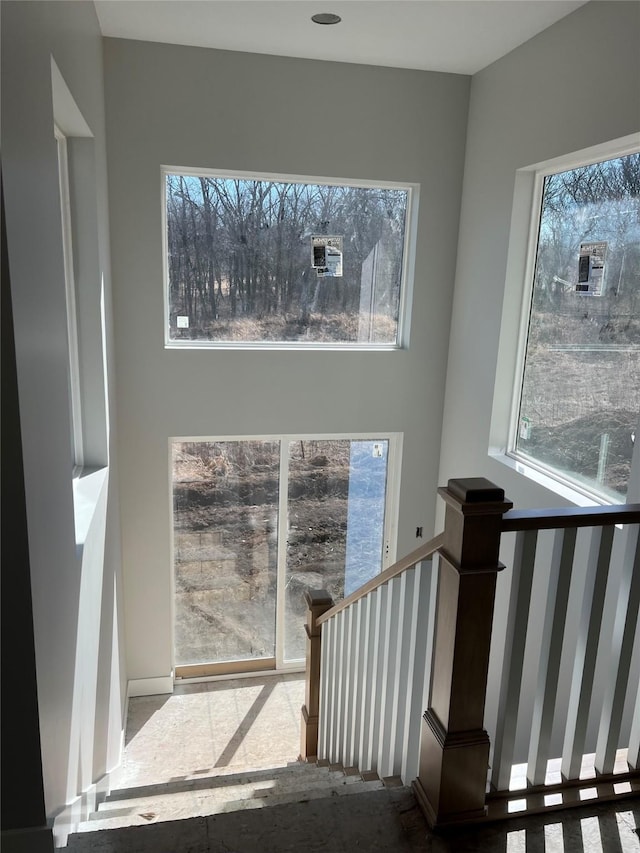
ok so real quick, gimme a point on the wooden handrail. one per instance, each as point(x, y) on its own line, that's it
point(422, 553)
point(588, 516)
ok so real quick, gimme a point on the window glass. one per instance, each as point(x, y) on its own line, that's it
point(580, 394)
point(256, 524)
point(225, 496)
point(274, 261)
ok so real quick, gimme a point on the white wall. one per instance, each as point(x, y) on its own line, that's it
point(573, 86)
point(194, 107)
point(74, 553)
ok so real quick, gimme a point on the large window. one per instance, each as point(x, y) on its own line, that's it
point(580, 394)
point(271, 261)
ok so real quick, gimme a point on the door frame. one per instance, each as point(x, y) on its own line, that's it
point(261, 666)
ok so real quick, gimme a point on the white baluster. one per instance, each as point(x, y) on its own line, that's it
point(333, 690)
point(633, 754)
point(349, 666)
point(355, 683)
point(390, 675)
point(404, 664)
point(364, 741)
point(586, 651)
point(326, 656)
point(338, 689)
point(377, 694)
point(550, 653)
point(515, 642)
point(624, 634)
point(421, 628)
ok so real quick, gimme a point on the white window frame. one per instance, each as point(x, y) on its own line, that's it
point(521, 262)
point(390, 532)
point(406, 279)
point(70, 290)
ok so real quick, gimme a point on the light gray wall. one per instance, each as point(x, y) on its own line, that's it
point(79, 674)
point(574, 86)
point(192, 107)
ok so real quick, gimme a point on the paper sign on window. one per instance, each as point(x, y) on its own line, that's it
point(591, 268)
point(326, 255)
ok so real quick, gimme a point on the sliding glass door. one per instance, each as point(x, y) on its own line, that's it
point(335, 523)
point(257, 522)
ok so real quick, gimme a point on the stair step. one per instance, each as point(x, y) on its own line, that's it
point(285, 775)
point(240, 791)
point(304, 785)
point(211, 773)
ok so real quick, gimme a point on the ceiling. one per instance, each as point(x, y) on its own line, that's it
point(458, 36)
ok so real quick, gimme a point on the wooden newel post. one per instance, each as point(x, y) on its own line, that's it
point(454, 749)
point(318, 602)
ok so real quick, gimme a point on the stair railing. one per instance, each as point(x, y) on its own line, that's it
point(374, 658)
point(369, 652)
point(581, 567)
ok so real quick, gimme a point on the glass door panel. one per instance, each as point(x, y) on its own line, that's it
point(336, 515)
point(225, 516)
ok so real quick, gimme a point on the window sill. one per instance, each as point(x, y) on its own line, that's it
point(568, 493)
point(282, 346)
point(88, 486)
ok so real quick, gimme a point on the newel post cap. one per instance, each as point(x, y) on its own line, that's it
point(471, 495)
point(318, 598)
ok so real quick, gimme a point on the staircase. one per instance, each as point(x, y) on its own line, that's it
point(294, 807)
point(554, 676)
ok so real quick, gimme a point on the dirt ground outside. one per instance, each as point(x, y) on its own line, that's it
point(226, 498)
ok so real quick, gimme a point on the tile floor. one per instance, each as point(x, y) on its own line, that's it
point(209, 727)
point(227, 726)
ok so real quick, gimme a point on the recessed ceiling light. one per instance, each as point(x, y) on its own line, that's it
point(326, 18)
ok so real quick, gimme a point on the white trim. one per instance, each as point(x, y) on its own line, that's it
point(282, 177)
point(392, 499)
point(527, 301)
point(160, 685)
point(283, 541)
point(407, 273)
point(296, 436)
point(282, 346)
point(165, 254)
point(519, 286)
point(586, 156)
point(563, 488)
point(70, 289)
point(389, 534)
point(172, 553)
point(70, 816)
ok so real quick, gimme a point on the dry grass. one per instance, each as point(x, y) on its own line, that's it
point(319, 328)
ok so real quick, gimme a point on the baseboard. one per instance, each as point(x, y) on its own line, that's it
point(38, 839)
point(150, 686)
point(67, 819)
